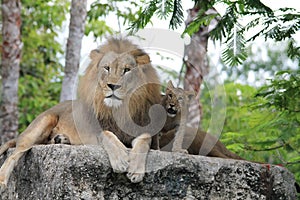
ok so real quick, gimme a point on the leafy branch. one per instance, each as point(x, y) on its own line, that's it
point(162, 9)
point(144, 17)
point(235, 53)
point(125, 11)
point(278, 25)
point(283, 93)
point(250, 148)
point(177, 16)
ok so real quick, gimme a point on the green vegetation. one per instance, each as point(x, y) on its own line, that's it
point(41, 71)
point(125, 13)
point(263, 124)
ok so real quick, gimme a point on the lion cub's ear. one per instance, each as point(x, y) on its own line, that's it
point(170, 85)
point(95, 54)
point(140, 56)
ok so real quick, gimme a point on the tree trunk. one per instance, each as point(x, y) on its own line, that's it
point(11, 56)
point(195, 60)
point(76, 32)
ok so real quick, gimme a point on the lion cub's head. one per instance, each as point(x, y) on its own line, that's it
point(119, 73)
point(176, 99)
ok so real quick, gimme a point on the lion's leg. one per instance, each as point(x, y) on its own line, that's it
point(8, 166)
point(117, 152)
point(7, 145)
point(178, 141)
point(155, 142)
point(37, 132)
point(137, 157)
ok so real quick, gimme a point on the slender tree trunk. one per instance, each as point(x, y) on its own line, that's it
point(195, 59)
point(11, 56)
point(76, 32)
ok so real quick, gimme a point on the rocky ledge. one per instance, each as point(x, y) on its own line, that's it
point(83, 172)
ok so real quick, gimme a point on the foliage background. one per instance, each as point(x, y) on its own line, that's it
point(41, 70)
point(262, 124)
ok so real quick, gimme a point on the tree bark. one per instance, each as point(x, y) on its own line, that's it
point(76, 32)
point(195, 60)
point(11, 56)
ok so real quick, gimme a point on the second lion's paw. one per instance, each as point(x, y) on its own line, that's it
point(135, 177)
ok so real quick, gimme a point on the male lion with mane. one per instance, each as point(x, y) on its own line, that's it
point(115, 96)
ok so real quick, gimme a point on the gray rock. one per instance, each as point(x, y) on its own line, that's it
point(83, 172)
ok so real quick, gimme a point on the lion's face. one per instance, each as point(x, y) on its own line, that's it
point(176, 99)
point(118, 77)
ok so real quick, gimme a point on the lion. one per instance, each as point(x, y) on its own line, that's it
point(114, 99)
point(176, 102)
point(197, 142)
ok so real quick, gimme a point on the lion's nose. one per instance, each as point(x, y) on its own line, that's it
point(113, 87)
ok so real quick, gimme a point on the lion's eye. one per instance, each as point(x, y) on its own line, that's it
point(170, 95)
point(106, 67)
point(126, 70)
point(180, 99)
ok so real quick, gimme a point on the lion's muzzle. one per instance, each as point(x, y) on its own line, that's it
point(113, 87)
point(171, 111)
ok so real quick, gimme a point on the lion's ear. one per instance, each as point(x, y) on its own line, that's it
point(142, 60)
point(170, 85)
point(140, 56)
point(95, 54)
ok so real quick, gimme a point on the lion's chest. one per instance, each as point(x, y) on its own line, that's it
point(125, 133)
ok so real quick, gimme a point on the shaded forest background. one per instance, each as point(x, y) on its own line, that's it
point(262, 117)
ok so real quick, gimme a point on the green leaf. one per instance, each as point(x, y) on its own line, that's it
point(237, 147)
point(144, 17)
point(294, 159)
point(177, 15)
point(99, 28)
point(235, 53)
point(201, 20)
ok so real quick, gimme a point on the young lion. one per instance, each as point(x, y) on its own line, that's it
point(196, 142)
point(176, 102)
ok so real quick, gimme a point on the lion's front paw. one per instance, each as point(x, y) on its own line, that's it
point(180, 150)
point(135, 177)
point(119, 161)
point(136, 170)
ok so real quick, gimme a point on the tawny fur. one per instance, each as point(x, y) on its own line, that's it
point(90, 121)
point(198, 142)
point(176, 136)
point(176, 102)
